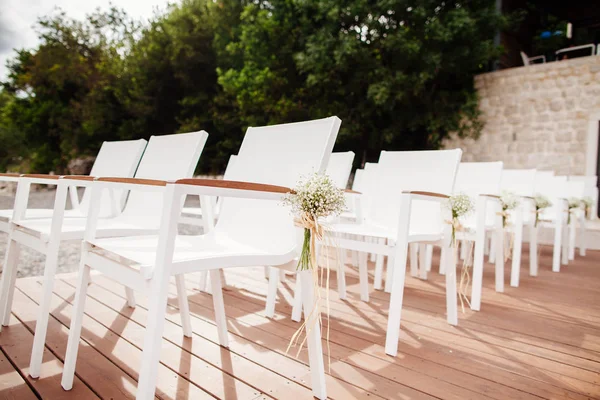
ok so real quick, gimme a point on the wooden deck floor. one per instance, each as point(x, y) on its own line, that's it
point(541, 340)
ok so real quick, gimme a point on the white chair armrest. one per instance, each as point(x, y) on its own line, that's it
point(427, 196)
point(9, 177)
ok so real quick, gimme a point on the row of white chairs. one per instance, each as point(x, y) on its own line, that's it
point(133, 201)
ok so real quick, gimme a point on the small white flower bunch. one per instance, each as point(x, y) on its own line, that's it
point(587, 205)
point(541, 202)
point(316, 196)
point(574, 202)
point(460, 205)
point(509, 201)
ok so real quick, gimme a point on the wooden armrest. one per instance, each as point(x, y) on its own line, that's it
point(528, 197)
point(40, 176)
point(218, 183)
point(10, 174)
point(492, 196)
point(79, 177)
point(431, 194)
point(135, 181)
point(350, 191)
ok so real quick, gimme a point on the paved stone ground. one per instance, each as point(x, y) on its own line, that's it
point(31, 263)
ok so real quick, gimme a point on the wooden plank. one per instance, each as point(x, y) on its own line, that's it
point(16, 341)
point(269, 371)
point(509, 363)
point(108, 345)
point(12, 385)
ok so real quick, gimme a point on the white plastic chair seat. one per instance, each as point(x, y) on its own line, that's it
point(31, 213)
point(73, 228)
point(373, 230)
point(191, 252)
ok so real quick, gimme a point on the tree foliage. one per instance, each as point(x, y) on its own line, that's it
point(398, 73)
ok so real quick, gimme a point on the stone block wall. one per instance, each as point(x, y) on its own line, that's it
point(538, 116)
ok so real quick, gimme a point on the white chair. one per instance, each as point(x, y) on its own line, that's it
point(168, 157)
point(253, 229)
point(340, 167)
point(114, 159)
point(531, 60)
point(521, 182)
point(407, 206)
point(481, 182)
point(591, 191)
point(193, 215)
point(575, 189)
point(554, 217)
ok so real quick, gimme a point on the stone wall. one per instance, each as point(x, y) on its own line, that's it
point(539, 116)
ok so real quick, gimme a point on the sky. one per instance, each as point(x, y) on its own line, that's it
point(17, 18)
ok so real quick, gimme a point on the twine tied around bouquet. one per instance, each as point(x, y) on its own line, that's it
point(313, 231)
point(465, 276)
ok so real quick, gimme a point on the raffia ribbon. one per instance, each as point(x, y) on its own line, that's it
point(317, 232)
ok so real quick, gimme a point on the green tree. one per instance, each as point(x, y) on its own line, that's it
point(398, 73)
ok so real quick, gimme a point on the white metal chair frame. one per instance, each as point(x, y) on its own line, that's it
point(223, 247)
point(22, 233)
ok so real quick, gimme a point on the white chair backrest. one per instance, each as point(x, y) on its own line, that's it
point(119, 160)
point(357, 182)
point(519, 181)
point(167, 157)
point(276, 155)
point(575, 189)
point(590, 182)
point(428, 171)
point(229, 166)
point(339, 168)
point(475, 178)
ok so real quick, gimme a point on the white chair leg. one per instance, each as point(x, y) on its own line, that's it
point(68, 374)
point(184, 307)
point(582, 235)
point(378, 279)
point(363, 276)
point(130, 296)
point(414, 260)
point(341, 275)
point(565, 245)
point(492, 255)
point(9, 278)
point(372, 256)
point(272, 292)
point(451, 293)
point(516, 256)
point(499, 253)
point(396, 297)
point(297, 306)
point(463, 249)
point(428, 257)
point(557, 245)
point(443, 256)
point(533, 252)
point(313, 340)
point(219, 306)
point(487, 246)
point(266, 271)
point(572, 237)
point(203, 281)
point(423, 261)
point(389, 273)
point(41, 326)
point(480, 239)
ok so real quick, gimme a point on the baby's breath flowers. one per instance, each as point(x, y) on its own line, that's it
point(574, 203)
point(460, 205)
point(541, 202)
point(314, 197)
point(509, 202)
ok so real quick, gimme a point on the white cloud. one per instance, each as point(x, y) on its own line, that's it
point(17, 18)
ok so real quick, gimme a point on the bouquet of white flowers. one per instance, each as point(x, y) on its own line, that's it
point(460, 205)
point(541, 202)
point(314, 197)
point(587, 204)
point(574, 203)
point(509, 201)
